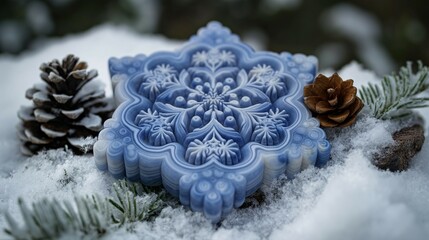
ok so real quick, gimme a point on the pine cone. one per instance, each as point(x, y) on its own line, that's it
point(66, 109)
point(333, 101)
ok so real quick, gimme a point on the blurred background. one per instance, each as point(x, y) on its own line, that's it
point(380, 34)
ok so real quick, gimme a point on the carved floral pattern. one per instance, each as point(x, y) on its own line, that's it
point(214, 119)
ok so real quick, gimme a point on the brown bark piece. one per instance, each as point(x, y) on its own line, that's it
point(397, 156)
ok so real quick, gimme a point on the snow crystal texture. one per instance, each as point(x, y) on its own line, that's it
point(348, 199)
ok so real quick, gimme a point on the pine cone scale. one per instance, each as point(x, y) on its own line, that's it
point(78, 74)
point(46, 68)
point(349, 122)
point(52, 132)
point(323, 107)
point(333, 101)
point(35, 139)
point(322, 81)
point(40, 98)
point(55, 78)
point(308, 91)
point(349, 96)
point(62, 98)
point(346, 84)
point(335, 80)
point(91, 122)
point(30, 92)
point(43, 116)
point(69, 62)
point(80, 66)
point(25, 114)
point(339, 117)
point(92, 74)
point(356, 106)
point(312, 101)
point(320, 89)
point(73, 114)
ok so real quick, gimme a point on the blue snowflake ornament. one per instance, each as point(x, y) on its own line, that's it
point(211, 122)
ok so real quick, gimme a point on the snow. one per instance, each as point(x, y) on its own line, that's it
point(348, 199)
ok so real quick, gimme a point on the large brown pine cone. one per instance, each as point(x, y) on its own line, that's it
point(333, 101)
point(66, 108)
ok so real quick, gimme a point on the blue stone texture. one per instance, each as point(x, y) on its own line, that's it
point(211, 122)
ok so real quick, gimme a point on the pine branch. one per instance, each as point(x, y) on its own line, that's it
point(398, 94)
point(49, 219)
point(136, 202)
point(90, 216)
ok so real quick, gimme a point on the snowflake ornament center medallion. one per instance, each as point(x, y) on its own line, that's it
point(211, 122)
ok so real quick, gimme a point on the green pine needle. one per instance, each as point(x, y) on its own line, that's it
point(90, 216)
point(49, 219)
point(136, 202)
point(398, 94)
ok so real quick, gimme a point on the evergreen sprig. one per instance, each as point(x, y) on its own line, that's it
point(88, 217)
point(136, 202)
point(49, 219)
point(398, 93)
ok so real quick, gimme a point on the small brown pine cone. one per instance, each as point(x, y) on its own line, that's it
point(333, 101)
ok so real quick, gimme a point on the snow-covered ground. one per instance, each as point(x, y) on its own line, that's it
point(348, 199)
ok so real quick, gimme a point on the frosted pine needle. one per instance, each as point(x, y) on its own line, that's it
point(88, 217)
point(398, 93)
